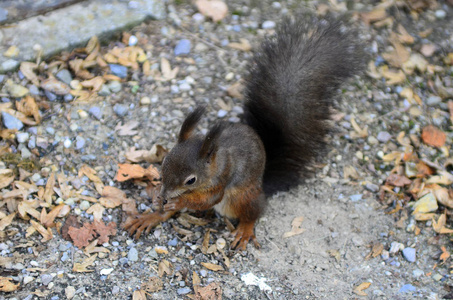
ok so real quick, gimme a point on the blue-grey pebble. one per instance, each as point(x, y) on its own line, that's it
point(51, 96)
point(409, 254)
point(384, 136)
point(114, 86)
point(11, 122)
point(64, 75)
point(173, 242)
point(183, 291)
point(118, 70)
point(80, 142)
point(183, 47)
point(407, 288)
point(132, 255)
point(96, 112)
point(120, 109)
point(46, 279)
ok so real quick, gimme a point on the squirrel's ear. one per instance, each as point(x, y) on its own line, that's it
point(190, 122)
point(210, 143)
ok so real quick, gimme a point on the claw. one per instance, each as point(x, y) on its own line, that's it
point(242, 235)
point(145, 223)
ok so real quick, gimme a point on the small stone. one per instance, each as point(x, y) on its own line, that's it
point(51, 96)
point(28, 279)
point(185, 87)
point(67, 143)
point(268, 25)
point(50, 130)
point(385, 255)
point(355, 198)
point(133, 40)
point(96, 112)
point(395, 247)
point(106, 271)
point(407, 288)
point(433, 100)
point(183, 291)
point(409, 254)
point(114, 86)
point(132, 255)
point(220, 243)
point(372, 187)
point(440, 14)
point(183, 47)
point(221, 113)
point(115, 290)
point(64, 257)
point(203, 272)
point(69, 291)
point(118, 70)
point(46, 279)
point(35, 177)
point(120, 109)
point(3, 14)
point(25, 153)
point(437, 277)
point(9, 65)
point(11, 122)
point(64, 75)
point(104, 91)
point(384, 136)
point(33, 89)
point(22, 137)
point(427, 203)
point(80, 142)
point(68, 98)
point(173, 242)
point(145, 101)
point(418, 273)
point(84, 205)
point(82, 114)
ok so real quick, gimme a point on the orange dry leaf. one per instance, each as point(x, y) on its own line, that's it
point(296, 227)
point(47, 219)
point(82, 267)
point(81, 236)
point(49, 189)
point(6, 221)
point(139, 295)
point(112, 197)
point(6, 285)
point(6, 177)
point(128, 171)
point(359, 289)
point(433, 136)
point(28, 107)
point(104, 230)
point(439, 225)
point(46, 233)
point(214, 9)
point(212, 267)
point(398, 180)
point(212, 291)
point(445, 254)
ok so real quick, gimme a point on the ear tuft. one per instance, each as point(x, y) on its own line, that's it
point(190, 122)
point(210, 143)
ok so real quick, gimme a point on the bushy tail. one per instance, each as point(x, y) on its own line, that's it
point(292, 86)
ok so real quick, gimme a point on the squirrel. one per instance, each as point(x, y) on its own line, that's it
point(289, 95)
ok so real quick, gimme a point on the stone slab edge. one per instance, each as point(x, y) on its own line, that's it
point(73, 26)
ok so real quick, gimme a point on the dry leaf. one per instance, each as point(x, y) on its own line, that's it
point(444, 177)
point(81, 236)
point(392, 76)
point(167, 72)
point(28, 107)
point(47, 219)
point(428, 50)
point(128, 171)
point(112, 197)
point(127, 129)
point(46, 233)
point(296, 227)
point(139, 295)
point(91, 248)
point(359, 289)
point(6, 177)
point(212, 267)
point(375, 15)
point(216, 10)
point(155, 155)
point(104, 231)
point(443, 196)
point(376, 250)
point(193, 220)
point(164, 268)
point(154, 284)
point(87, 262)
point(350, 172)
point(244, 45)
point(7, 286)
point(236, 90)
point(361, 132)
point(398, 180)
point(445, 254)
point(439, 225)
point(97, 210)
point(432, 136)
point(91, 174)
point(6, 221)
point(55, 86)
point(212, 291)
point(27, 69)
point(205, 244)
point(49, 189)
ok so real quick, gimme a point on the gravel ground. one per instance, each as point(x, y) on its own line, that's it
point(343, 217)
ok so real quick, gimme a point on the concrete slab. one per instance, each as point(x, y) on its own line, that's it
point(72, 26)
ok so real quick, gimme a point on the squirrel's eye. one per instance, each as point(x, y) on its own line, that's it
point(190, 180)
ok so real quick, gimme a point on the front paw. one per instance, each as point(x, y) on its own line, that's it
point(173, 204)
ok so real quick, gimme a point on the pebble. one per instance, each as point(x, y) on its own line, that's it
point(145, 101)
point(440, 14)
point(221, 113)
point(409, 254)
point(84, 205)
point(120, 109)
point(418, 273)
point(51, 96)
point(104, 91)
point(80, 142)
point(183, 47)
point(185, 87)
point(96, 112)
point(133, 40)
point(10, 64)
point(114, 86)
point(433, 100)
point(118, 70)
point(25, 153)
point(46, 279)
point(67, 143)
point(64, 257)
point(22, 137)
point(50, 130)
point(68, 98)
point(395, 247)
point(115, 290)
point(198, 17)
point(355, 198)
point(35, 177)
point(437, 277)
point(69, 291)
point(268, 25)
point(28, 279)
point(132, 255)
point(34, 90)
point(11, 122)
point(407, 288)
point(372, 187)
point(173, 242)
point(65, 76)
point(183, 291)
point(106, 271)
point(384, 136)
point(203, 272)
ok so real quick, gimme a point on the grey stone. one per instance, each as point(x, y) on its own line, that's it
point(433, 100)
point(11, 122)
point(115, 290)
point(173, 242)
point(51, 96)
point(132, 255)
point(418, 273)
point(3, 14)
point(268, 25)
point(22, 137)
point(409, 254)
point(407, 288)
point(184, 87)
point(68, 97)
point(440, 14)
point(384, 136)
point(74, 25)
point(120, 109)
point(183, 47)
point(9, 65)
point(64, 75)
point(80, 142)
point(372, 187)
point(34, 90)
point(114, 86)
point(221, 113)
point(25, 153)
point(355, 198)
point(183, 291)
point(203, 272)
point(118, 70)
point(104, 91)
point(50, 130)
point(96, 112)
point(46, 279)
